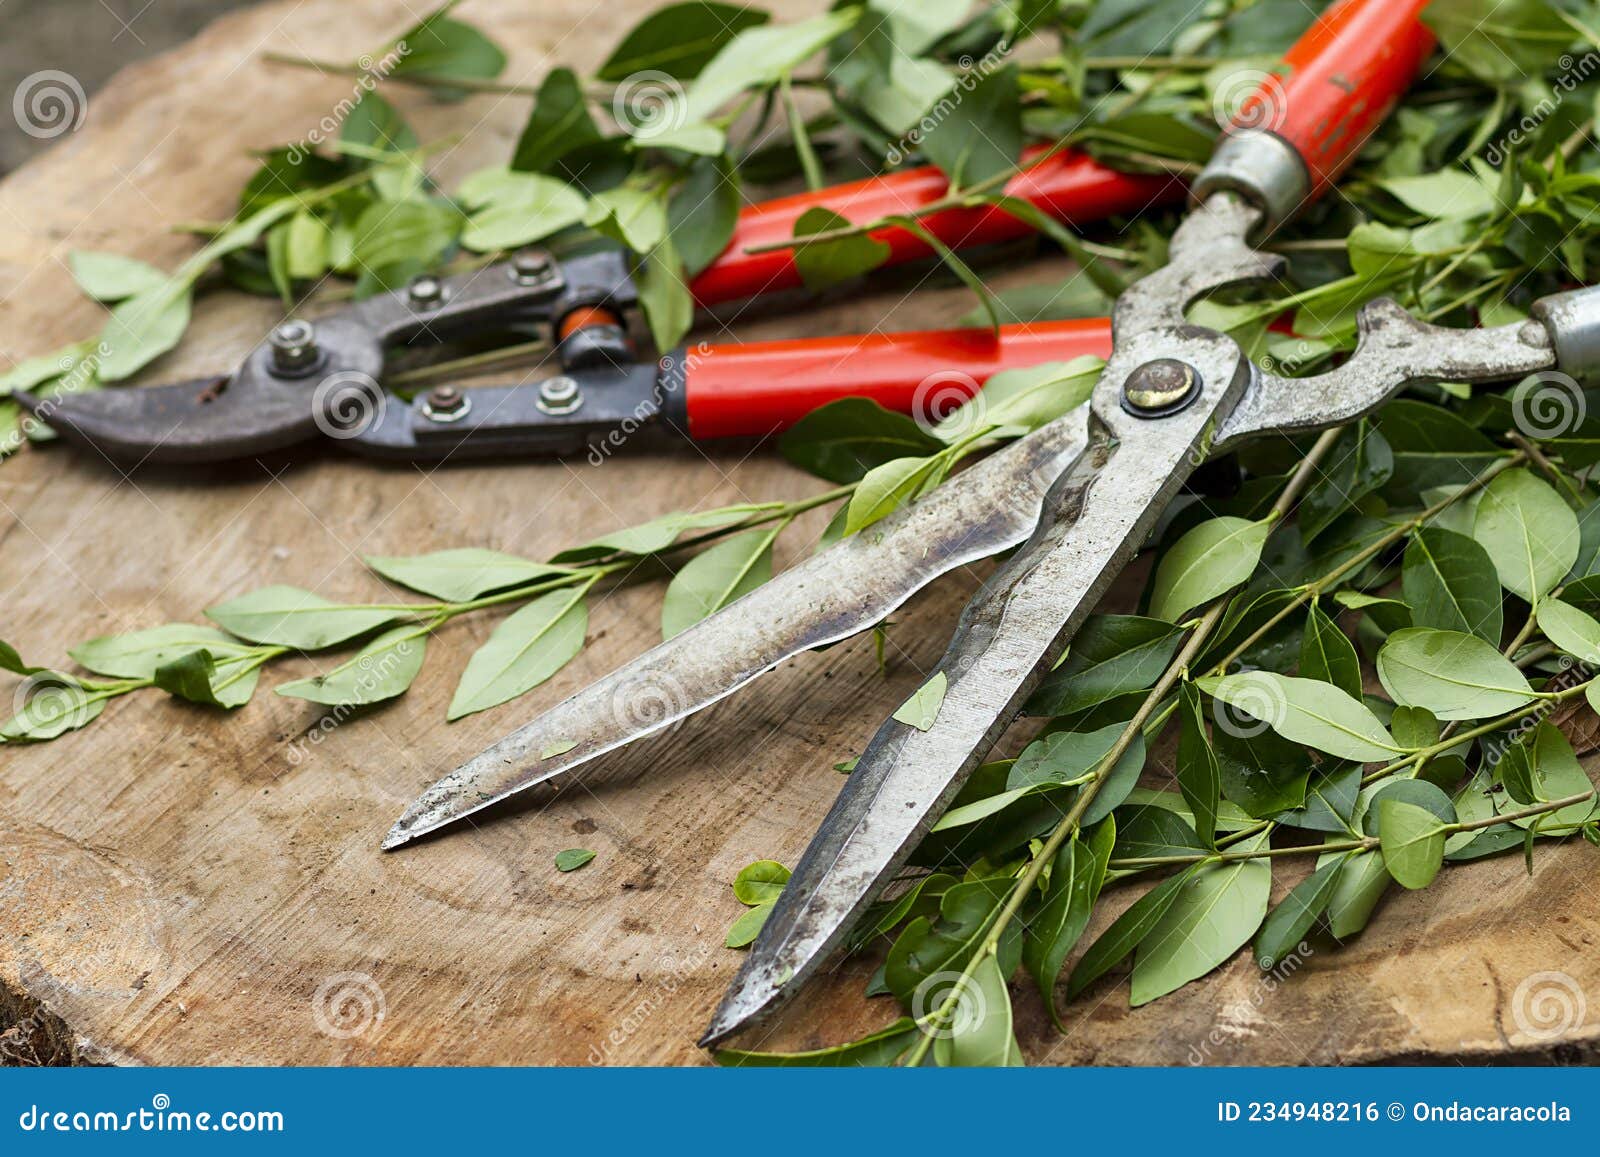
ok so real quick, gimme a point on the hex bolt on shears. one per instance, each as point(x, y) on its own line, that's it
point(1078, 496)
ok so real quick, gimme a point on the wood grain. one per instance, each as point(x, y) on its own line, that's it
point(177, 888)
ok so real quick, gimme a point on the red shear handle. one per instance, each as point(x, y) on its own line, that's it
point(1069, 186)
point(762, 387)
point(1343, 76)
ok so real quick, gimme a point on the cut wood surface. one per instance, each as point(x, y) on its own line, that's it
point(182, 888)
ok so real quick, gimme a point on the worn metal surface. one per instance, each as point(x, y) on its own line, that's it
point(853, 585)
point(1019, 625)
point(266, 406)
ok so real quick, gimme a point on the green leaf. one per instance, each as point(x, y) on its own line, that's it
point(1209, 560)
point(927, 947)
point(1570, 629)
point(664, 296)
point(829, 262)
point(878, 1048)
point(141, 329)
point(292, 617)
point(1449, 194)
point(845, 439)
point(55, 704)
point(572, 859)
point(1111, 655)
point(1018, 401)
point(190, 677)
point(560, 123)
point(462, 574)
point(1126, 932)
point(1286, 927)
point(1414, 728)
point(1557, 774)
point(395, 239)
point(441, 47)
point(703, 211)
point(678, 39)
point(11, 661)
point(758, 56)
point(1307, 711)
point(1361, 885)
point(760, 883)
point(524, 651)
point(381, 670)
point(886, 488)
point(1412, 841)
point(716, 577)
point(1213, 915)
point(1326, 654)
point(376, 124)
point(1530, 533)
point(981, 1033)
point(1454, 675)
point(512, 209)
point(743, 932)
point(1358, 469)
point(1262, 772)
point(110, 277)
point(922, 708)
point(1199, 778)
point(1499, 41)
point(1449, 582)
point(660, 533)
point(1076, 876)
point(635, 217)
point(136, 655)
point(982, 135)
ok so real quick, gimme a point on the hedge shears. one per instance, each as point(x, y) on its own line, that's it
point(324, 379)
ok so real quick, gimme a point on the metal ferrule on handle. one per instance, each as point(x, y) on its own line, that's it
point(1298, 132)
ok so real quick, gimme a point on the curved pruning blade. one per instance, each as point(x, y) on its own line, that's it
point(1094, 519)
point(853, 585)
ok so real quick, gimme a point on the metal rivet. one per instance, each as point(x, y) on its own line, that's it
point(294, 347)
point(1159, 388)
point(559, 395)
point(446, 404)
point(1534, 334)
point(425, 292)
point(530, 267)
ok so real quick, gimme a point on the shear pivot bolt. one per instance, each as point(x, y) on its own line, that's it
point(294, 347)
point(1159, 388)
point(559, 395)
point(425, 292)
point(446, 404)
point(530, 267)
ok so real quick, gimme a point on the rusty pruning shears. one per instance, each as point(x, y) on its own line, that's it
point(1077, 496)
